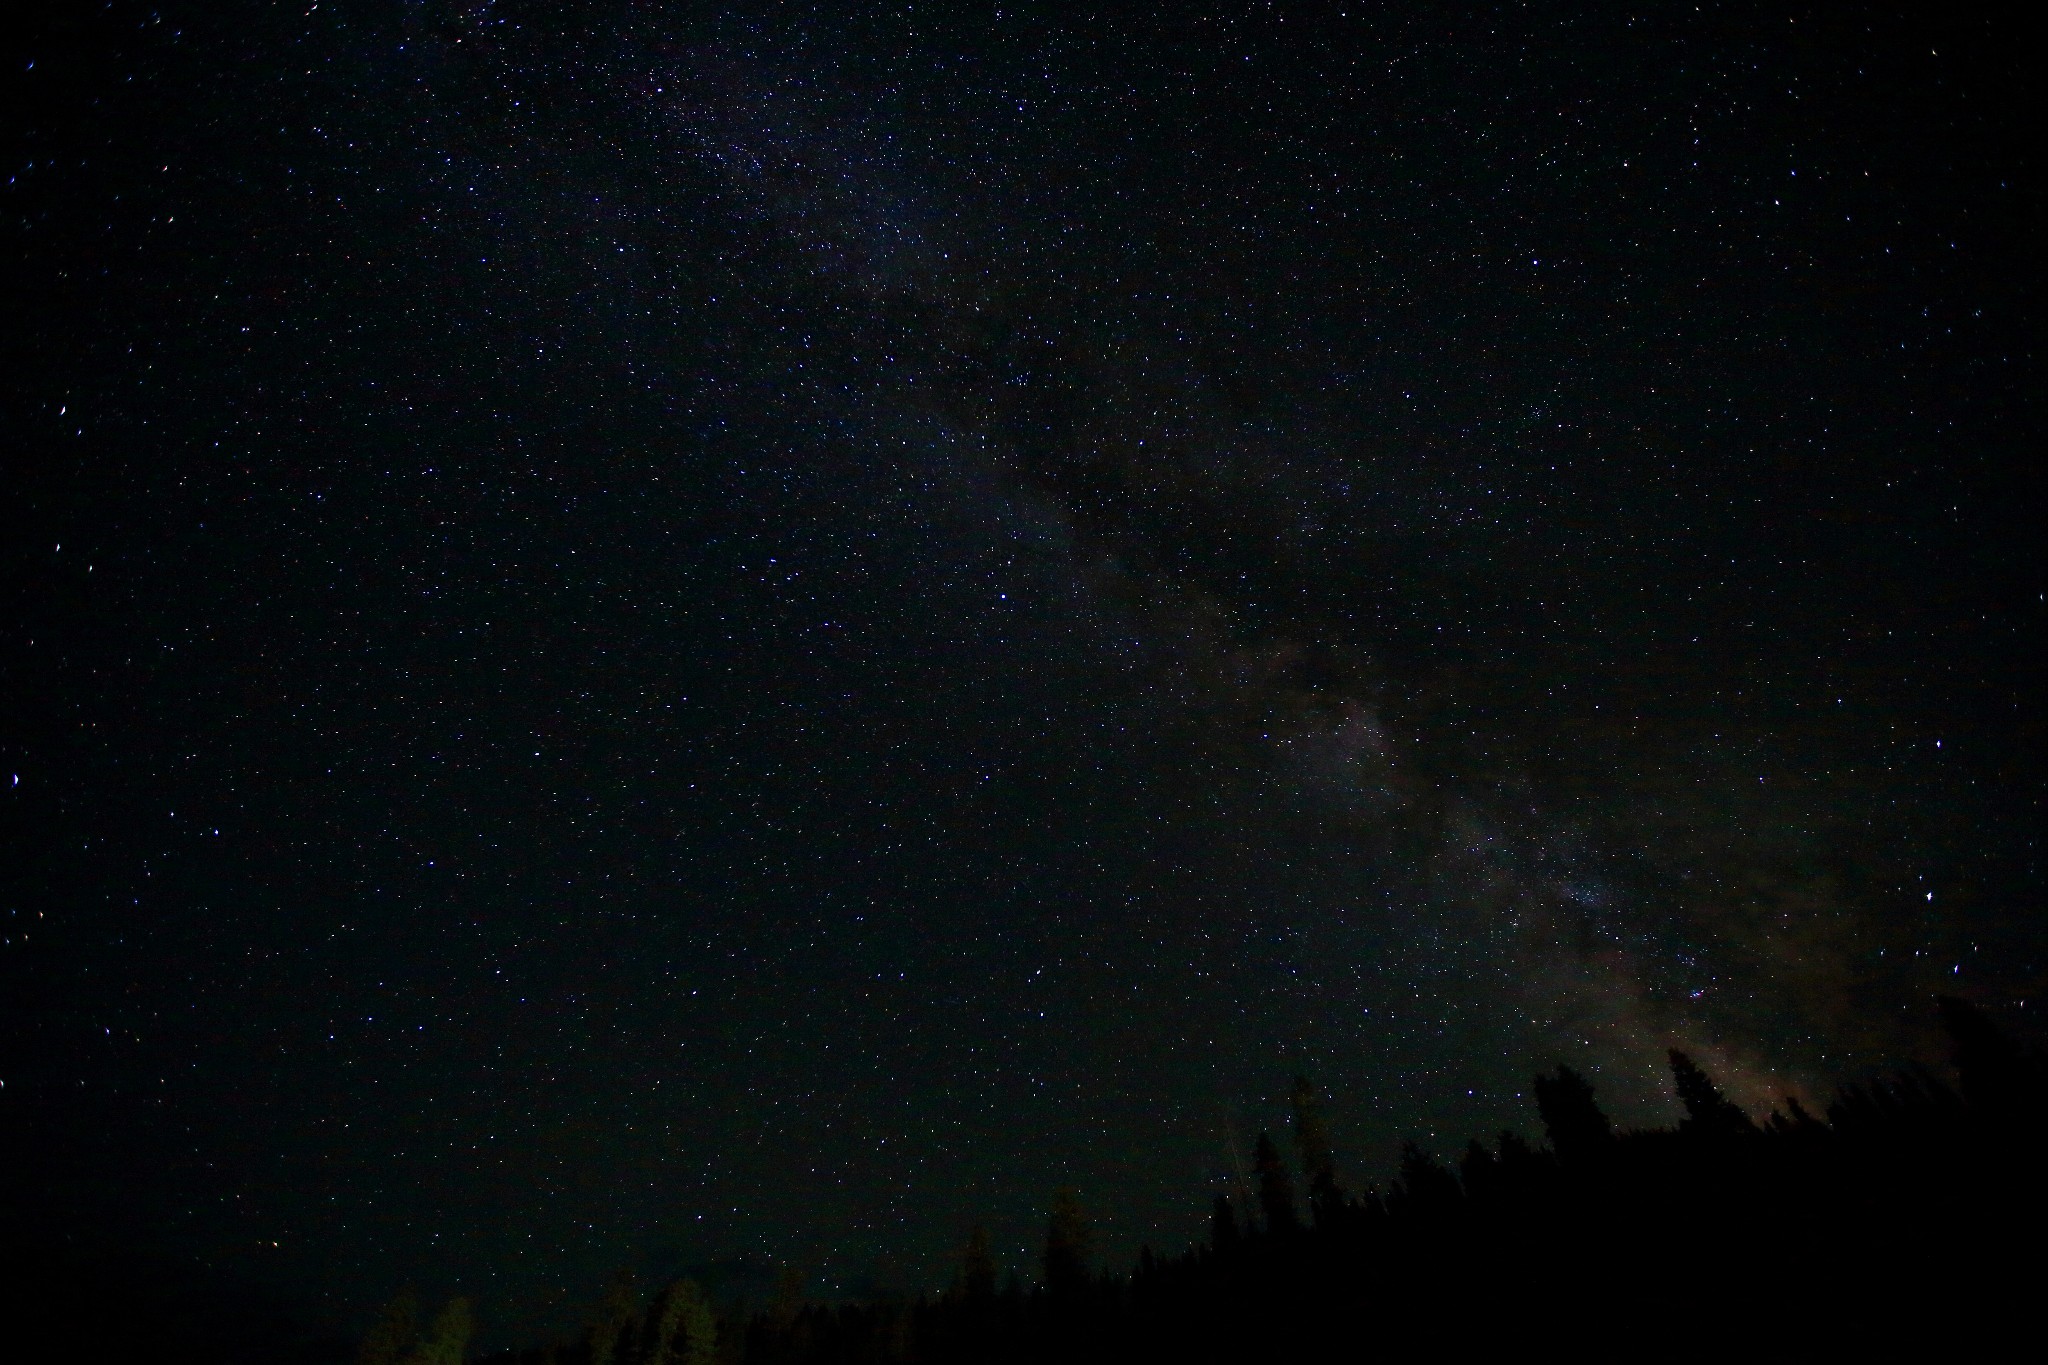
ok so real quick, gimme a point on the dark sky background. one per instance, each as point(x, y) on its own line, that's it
point(641, 634)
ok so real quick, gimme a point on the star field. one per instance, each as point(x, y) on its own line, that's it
point(667, 636)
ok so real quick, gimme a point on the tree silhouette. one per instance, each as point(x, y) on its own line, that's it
point(1579, 1132)
point(1318, 1160)
point(665, 1324)
point(1898, 1210)
point(1997, 1077)
point(1479, 1170)
point(1426, 1187)
point(680, 1328)
point(977, 1278)
point(394, 1333)
point(1276, 1188)
point(608, 1329)
point(1794, 1119)
point(448, 1338)
point(1708, 1113)
point(1066, 1244)
point(1519, 1162)
point(700, 1330)
point(1223, 1230)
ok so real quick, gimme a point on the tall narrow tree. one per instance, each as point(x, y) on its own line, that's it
point(1579, 1131)
point(1066, 1244)
point(1223, 1231)
point(1318, 1160)
point(1276, 1188)
point(1426, 1187)
point(448, 1338)
point(977, 1281)
point(685, 1332)
point(1708, 1113)
point(396, 1330)
point(2000, 1080)
point(609, 1328)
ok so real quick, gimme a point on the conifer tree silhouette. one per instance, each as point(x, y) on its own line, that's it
point(1318, 1161)
point(684, 1331)
point(448, 1338)
point(1579, 1132)
point(609, 1327)
point(1066, 1244)
point(1519, 1162)
point(396, 1330)
point(789, 1295)
point(1479, 1170)
point(1708, 1113)
point(1276, 1188)
point(1794, 1119)
point(1223, 1230)
point(1426, 1187)
point(977, 1281)
point(665, 1320)
point(1997, 1076)
point(700, 1327)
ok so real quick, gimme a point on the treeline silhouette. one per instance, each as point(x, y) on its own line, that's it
point(1912, 1209)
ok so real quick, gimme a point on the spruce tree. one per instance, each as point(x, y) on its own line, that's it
point(448, 1338)
point(2000, 1080)
point(396, 1330)
point(1066, 1244)
point(977, 1267)
point(1312, 1144)
point(1276, 1188)
point(1480, 1172)
point(685, 1332)
point(1578, 1131)
point(614, 1316)
point(700, 1331)
point(1223, 1231)
point(1708, 1113)
point(1426, 1186)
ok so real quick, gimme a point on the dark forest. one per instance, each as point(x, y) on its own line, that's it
point(1908, 1210)
point(1908, 1206)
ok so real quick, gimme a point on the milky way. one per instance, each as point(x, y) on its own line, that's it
point(753, 639)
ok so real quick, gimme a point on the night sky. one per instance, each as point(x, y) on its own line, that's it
point(638, 635)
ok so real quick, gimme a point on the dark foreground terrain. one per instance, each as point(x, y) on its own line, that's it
point(1909, 1215)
